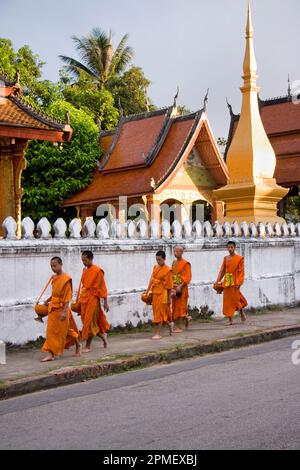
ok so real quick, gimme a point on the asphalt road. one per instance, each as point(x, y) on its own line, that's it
point(240, 399)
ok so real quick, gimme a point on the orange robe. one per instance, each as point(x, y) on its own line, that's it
point(60, 335)
point(161, 282)
point(182, 273)
point(92, 290)
point(234, 274)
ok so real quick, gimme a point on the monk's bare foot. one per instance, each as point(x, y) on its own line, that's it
point(39, 319)
point(243, 317)
point(229, 324)
point(78, 352)
point(104, 339)
point(47, 359)
point(171, 328)
point(85, 351)
point(156, 337)
point(178, 330)
point(187, 321)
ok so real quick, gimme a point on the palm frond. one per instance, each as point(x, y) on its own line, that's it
point(74, 66)
point(97, 58)
point(122, 56)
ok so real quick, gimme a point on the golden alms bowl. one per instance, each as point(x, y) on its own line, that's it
point(147, 298)
point(41, 310)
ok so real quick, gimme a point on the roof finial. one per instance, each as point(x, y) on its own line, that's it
point(176, 97)
point(205, 101)
point(67, 118)
point(289, 87)
point(249, 28)
point(17, 77)
point(250, 66)
point(147, 100)
point(229, 107)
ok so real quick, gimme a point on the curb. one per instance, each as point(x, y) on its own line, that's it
point(72, 375)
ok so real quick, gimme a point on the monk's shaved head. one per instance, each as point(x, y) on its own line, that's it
point(178, 251)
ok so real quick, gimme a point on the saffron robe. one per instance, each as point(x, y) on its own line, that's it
point(161, 282)
point(182, 274)
point(93, 288)
point(60, 334)
point(233, 272)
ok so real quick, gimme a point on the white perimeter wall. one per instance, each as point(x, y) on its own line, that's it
point(272, 276)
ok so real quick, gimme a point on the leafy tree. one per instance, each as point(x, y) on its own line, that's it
point(29, 66)
point(131, 88)
point(99, 103)
point(183, 110)
point(54, 173)
point(99, 60)
point(24, 61)
point(292, 209)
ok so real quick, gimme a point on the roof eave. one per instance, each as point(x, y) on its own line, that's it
point(107, 199)
point(30, 133)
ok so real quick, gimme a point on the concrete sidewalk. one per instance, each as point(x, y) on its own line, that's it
point(23, 372)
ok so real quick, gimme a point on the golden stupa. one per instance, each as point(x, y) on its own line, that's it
point(251, 194)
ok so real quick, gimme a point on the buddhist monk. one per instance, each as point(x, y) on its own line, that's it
point(233, 274)
point(161, 285)
point(61, 330)
point(92, 290)
point(182, 276)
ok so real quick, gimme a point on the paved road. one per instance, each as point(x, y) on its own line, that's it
point(242, 399)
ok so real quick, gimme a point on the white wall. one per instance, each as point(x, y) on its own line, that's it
point(272, 275)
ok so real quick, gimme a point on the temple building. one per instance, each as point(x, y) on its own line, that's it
point(20, 123)
point(157, 160)
point(281, 120)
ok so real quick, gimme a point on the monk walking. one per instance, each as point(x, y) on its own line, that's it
point(92, 290)
point(161, 284)
point(232, 273)
point(182, 276)
point(61, 330)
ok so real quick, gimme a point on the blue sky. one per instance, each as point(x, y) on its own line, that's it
point(196, 44)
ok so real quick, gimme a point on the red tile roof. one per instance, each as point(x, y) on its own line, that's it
point(162, 139)
point(133, 142)
point(18, 119)
point(280, 116)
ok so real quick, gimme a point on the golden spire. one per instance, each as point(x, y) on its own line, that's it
point(250, 155)
point(251, 193)
point(250, 65)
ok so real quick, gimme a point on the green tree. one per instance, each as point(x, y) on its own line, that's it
point(24, 61)
point(292, 209)
point(54, 173)
point(29, 67)
point(131, 89)
point(98, 59)
point(183, 110)
point(99, 103)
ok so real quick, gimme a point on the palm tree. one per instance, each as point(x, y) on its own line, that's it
point(98, 59)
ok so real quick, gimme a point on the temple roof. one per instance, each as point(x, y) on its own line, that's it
point(281, 119)
point(136, 144)
point(20, 120)
point(144, 152)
